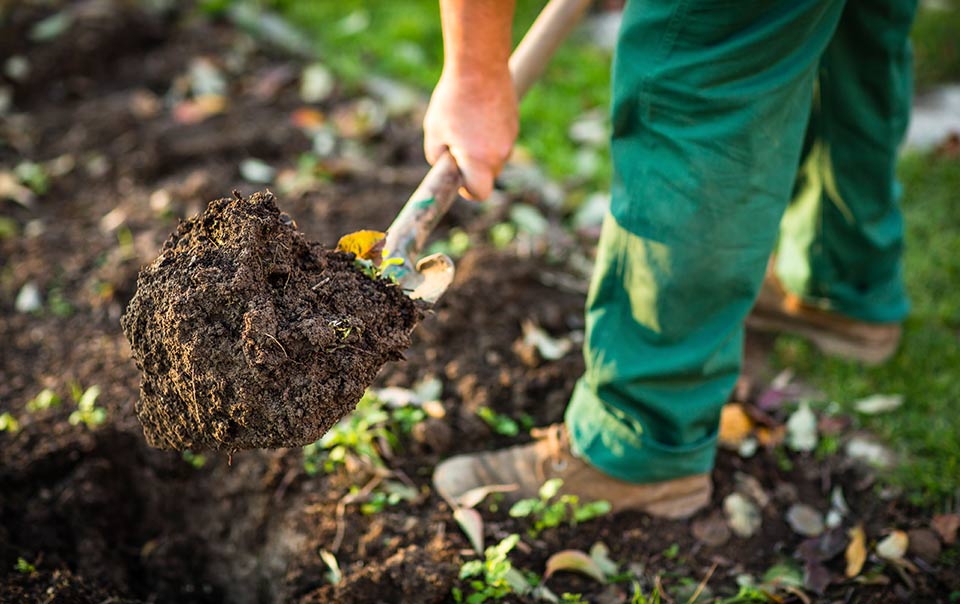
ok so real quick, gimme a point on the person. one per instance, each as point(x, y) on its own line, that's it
point(722, 113)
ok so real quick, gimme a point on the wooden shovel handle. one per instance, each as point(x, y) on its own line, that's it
point(436, 193)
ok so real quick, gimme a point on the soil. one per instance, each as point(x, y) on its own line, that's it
point(105, 517)
point(250, 337)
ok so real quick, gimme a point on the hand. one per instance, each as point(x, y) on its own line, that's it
point(474, 116)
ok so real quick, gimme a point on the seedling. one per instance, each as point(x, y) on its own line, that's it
point(493, 578)
point(364, 436)
point(392, 493)
point(499, 423)
point(640, 598)
point(8, 423)
point(45, 400)
point(197, 460)
point(87, 412)
point(549, 511)
point(25, 567)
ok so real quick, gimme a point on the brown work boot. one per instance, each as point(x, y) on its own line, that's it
point(521, 470)
point(779, 311)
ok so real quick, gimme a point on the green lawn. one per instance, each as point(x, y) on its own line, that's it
point(926, 429)
point(402, 40)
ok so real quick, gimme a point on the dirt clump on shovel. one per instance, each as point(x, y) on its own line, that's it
point(247, 335)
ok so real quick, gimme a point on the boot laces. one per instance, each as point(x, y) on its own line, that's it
point(556, 442)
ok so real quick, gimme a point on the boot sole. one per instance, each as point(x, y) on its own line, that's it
point(830, 343)
point(679, 508)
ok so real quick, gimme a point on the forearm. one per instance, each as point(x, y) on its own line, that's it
point(476, 37)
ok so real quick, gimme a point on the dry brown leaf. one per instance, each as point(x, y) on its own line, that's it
point(894, 546)
point(363, 244)
point(307, 118)
point(574, 561)
point(946, 526)
point(735, 425)
point(856, 553)
point(771, 437)
point(471, 523)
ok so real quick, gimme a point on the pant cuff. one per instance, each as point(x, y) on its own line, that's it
point(604, 437)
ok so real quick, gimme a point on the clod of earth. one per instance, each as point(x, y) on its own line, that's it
point(247, 335)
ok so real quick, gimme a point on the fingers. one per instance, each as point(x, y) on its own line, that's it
point(478, 176)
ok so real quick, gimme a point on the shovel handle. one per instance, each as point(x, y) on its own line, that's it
point(438, 190)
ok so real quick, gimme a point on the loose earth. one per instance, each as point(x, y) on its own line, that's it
point(249, 336)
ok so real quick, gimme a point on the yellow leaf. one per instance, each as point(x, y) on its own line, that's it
point(735, 425)
point(856, 553)
point(362, 243)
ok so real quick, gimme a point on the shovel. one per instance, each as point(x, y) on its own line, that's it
point(429, 277)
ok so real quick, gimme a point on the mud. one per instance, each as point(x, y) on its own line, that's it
point(249, 336)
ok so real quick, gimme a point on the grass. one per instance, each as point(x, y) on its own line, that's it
point(926, 429)
point(402, 40)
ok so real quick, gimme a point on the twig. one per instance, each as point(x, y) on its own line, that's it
point(703, 584)
point(342, 509)
point(278, 343)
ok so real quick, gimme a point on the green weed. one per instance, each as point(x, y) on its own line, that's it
point(491, 579)
point(87, 412)
point(8, 423)
point(548, 510)
point(499, 423)
point(46, 399)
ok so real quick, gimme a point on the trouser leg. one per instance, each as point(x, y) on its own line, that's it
point(710, 103)
point(842, 237)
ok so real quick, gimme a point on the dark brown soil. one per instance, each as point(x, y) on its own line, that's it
point(106, 518)
point(250, 337)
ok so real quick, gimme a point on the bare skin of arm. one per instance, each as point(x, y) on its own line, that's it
point(473, 109)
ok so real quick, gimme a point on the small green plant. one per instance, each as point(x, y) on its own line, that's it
point(499, 423)
point(46, 399)
point(87, 412)
point(748, 594)
point(493, 578)
point(368, 268)
point(548, 510)
point(197, 460)
point(8, 423)
point(640, 598)
point(25, 567)
point(33, 175)
point(672, 552)
point(569, 598)
point(363, 436)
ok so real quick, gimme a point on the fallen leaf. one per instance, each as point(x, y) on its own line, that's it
point(528, 219)
point(946, 526)
point(334, 575)
point(51, 27)
point(600, 554)
point(550, 348)
point(894, 546)
point(712, 530)
point(10, 188)
point(735, 425)
point(742, 515)
point(878, 403)
point(824, 547)
point(856, 553)
point(307, 118)
point(924, 544)
point(784, 574)
point(28, 298)
point(471, 523)
point(363, 244)
point(751, 487)
point(816, 576)
point(805, 520)
point(194, 111)
point(771, 437)
point(473, 497)
point(257, 171)
point(869, 452)
point(316, 83)
point(574, 561)
point(802, 429)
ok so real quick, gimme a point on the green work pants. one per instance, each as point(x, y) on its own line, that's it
point(717, 107)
